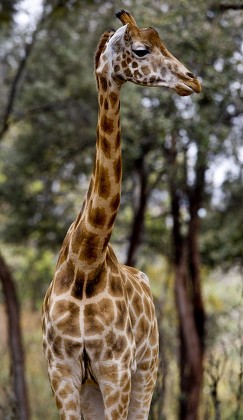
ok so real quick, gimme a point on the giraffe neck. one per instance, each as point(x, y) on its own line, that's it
point(106, 179)
point(93, 227)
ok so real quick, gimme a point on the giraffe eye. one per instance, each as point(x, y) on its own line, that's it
point(141, 53)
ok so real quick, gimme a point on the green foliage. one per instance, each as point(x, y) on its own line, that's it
point(7, 10)
point(222, 243)
point(33, 271)
point(47, 155)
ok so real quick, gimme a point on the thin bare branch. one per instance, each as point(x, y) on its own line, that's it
point(28, 48)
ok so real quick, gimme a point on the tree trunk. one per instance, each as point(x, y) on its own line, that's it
point(15, 342)
point(194, 269)
point(187, 285)
point(191, 355)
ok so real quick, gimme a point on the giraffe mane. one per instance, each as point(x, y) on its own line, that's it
point(103, 40)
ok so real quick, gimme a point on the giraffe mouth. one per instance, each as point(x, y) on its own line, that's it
point(187, 87)
point(183, 90)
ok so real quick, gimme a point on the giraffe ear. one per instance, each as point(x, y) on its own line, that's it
point(117, 40)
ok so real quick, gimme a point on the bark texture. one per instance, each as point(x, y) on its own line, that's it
point(15, 342)
point(188, 296)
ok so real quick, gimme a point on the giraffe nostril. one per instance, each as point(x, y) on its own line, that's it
point(191, 75)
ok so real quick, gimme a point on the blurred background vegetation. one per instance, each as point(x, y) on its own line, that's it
point(188, 149)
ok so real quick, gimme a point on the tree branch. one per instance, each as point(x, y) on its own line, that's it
point(224, 7)
point(28, 47)
point(21, 67)
point(230, 6)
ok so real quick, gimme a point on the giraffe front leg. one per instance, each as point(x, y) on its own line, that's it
point(115, 386)
point(143, 383)
point(65, 379)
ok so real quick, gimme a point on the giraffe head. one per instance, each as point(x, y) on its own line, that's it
point(138, 55)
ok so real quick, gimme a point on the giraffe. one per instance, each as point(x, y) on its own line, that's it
point(100, 334)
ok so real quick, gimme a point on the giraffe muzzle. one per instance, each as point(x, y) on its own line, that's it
point(187, 86)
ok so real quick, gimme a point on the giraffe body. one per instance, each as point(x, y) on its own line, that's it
point(98, 344)
point(99, 324)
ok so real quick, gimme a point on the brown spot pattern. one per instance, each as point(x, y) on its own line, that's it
point(77, 289)
point(121, 316)
point(92, 324)
point(96, 286)
point(111, 221)
point(112, 262)
point(71, 406)
point(57, 343)
point(137, 303)
point(105, 146)
point(113, 97)
point(94, 347)
point(69, 325)
point(106, 105)
point(106, 124)
point(110, 339)
point(115, 202)
point(117, 166)
point(141, 331)
point(128, 72)
point(102, 183)
point(152, 79)
point(97, 315)
point(112, 399)
point(115, 287)
point(145, 70)
point(103, 83)
point(63, 253)
point(101, 46)
point(129, 289)
point(63, 280)
point(88, 243)
point(137, 74)
point(97, 217)
point(71, 347)
point(147, 307)
point(106, 242)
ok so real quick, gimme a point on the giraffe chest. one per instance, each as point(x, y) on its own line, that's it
point(121, 324)
point(110, 317)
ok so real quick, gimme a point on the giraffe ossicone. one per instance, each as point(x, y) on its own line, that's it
point(100, 332)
